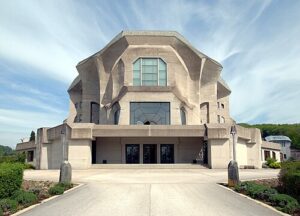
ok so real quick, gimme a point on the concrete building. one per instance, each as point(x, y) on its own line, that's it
point(29, 148)
point(285, 143)
point(270, 150)
point(147, 97)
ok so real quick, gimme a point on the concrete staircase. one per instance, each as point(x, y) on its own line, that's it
point(148, 166)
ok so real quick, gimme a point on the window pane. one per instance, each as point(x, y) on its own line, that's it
point(136, 65)
point(148, 61)
point(136, 74)
point(136, 82)
point(150, 113)
point(149, 69)
point(162, 65)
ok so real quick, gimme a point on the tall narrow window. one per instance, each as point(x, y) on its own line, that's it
point(94, 118)
point(116, 111)
point(149, 72)
point(183, 116)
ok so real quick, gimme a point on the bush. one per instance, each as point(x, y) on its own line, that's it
point(8, 205)
point(65, 185)
point(256, 191)
point(11, 177)
point(1, 212)
point(289, 179)
point(56, 190)
point(28, 166)
point(284, 203)
point(24, 198)
point(270, 161)
point(15, 158)
point(275, 165)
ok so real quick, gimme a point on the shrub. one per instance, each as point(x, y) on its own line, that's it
point(65, 185)
point(284, 202)
point(15, 158)
point(270, 161)
point(289, 178)
point(28, 166)
point(275, 165)
point(1, 212)
point(8, 205)
point(24, 198)
point(11, 177)
point(56, 190)
point(256, 190)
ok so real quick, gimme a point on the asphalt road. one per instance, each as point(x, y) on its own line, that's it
point(151, 192)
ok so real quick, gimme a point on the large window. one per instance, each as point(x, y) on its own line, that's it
point(150, 113)
point(149, 72)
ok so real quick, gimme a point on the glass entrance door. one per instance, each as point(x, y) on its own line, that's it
point(167, 153)
point(132, 153)
point(149, 153)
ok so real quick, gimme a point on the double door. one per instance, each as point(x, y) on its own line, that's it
point(149, 153)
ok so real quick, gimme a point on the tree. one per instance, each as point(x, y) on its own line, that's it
point(32, 136)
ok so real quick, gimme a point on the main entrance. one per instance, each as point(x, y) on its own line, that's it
point(149, 153)
point(132, 153)
point(167, 153)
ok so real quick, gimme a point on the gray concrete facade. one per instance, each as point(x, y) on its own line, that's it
point(138, 71)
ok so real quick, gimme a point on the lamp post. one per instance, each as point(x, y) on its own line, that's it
point(233, 169)
point(65, 167)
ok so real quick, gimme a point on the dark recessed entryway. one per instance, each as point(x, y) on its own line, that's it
point(132, 153)
point(149, 153)
point(167, 153)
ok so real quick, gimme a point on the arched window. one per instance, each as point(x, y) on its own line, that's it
point(183, 116)
point(149, 72)
point(94, 118)
point(116, 111)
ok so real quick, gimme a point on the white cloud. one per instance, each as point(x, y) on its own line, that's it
point(256, 41)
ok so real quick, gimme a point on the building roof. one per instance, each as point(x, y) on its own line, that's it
point(25, 146)
point(270, 145)
point(277, 138)
point(152, 33)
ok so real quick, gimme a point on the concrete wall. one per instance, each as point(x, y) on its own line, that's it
point(218, 153)
point(241, 152)
point(80, 154)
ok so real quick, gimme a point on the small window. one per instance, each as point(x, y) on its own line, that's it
point(222, 106)
point(30, 156)
point(94, 118)
point(183, 116)
point(267, 155)
point(116, 111)
point(273, 155)
point(149, 72)
point(222, 120)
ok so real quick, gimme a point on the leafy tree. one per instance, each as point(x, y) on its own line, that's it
point(32, 136)
point(5, 150)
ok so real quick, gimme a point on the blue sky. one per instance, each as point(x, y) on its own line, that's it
point(257, 42)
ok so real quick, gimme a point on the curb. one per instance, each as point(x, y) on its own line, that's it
point(257, 201)
point(45, 200)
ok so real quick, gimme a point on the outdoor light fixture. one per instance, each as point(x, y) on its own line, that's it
point(233, 168)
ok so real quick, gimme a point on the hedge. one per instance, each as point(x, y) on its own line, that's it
point(56, 190)
point(8, 205)
point(11, 176)
point(24, 197)
point(283, 202)
point(289, 178)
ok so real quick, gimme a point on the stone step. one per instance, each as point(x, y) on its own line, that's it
point(148, 166)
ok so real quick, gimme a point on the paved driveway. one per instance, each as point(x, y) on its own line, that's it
point(151, 192)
